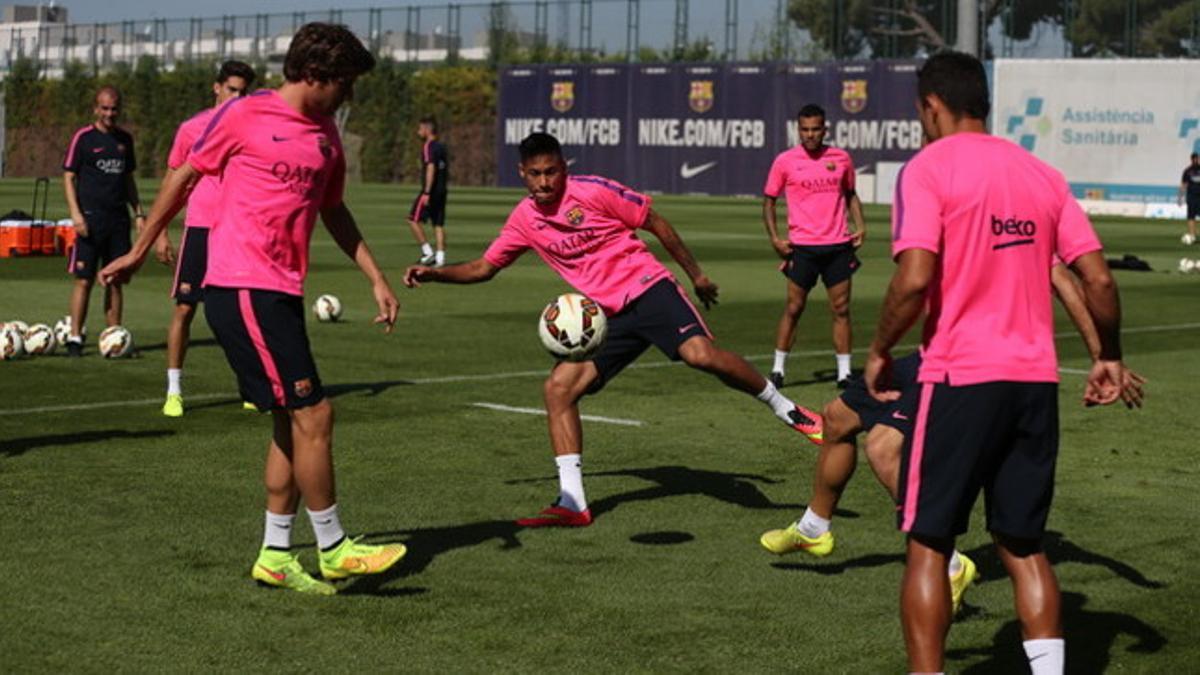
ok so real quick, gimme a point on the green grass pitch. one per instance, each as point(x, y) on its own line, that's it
point(127, 537)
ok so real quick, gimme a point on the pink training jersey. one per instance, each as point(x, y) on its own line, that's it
point(995, 215)
point(278, 169)
point(588, 238)
point(205, 199)
point(815, 188)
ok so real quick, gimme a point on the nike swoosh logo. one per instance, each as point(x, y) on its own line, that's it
point(97, 149)
point(687, 171)
point(687, 327)
point(570, 161)
point(899, 416)
point(278, 139)
point(277, 576)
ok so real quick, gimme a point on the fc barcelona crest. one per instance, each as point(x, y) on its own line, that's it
point(854, 95)
point(562, 96)
point(700, 98)
point(830, 166)
point(575, 216)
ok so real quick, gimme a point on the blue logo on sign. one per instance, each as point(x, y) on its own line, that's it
point(1025, 126)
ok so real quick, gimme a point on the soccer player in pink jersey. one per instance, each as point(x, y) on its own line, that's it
point(281, 162)
point(233, 80)
point(886, 424)
point(584, 228)
point(818, 183)
point(976, 221)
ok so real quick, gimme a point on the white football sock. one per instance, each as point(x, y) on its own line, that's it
point(77, 339)
point(811, 525)
point(843, 366)
point(955, 565)
point(326, 526)
point(780, 357)
point(570, 482)
point(779, 403)
point(426, 249)
point(439, 258)
point(174, 375)
point(1046, 656)
point(277, 532)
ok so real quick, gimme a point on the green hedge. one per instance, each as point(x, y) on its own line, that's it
point(42, 113)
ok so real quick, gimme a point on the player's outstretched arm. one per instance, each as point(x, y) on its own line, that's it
point(473, 272)
point(344, 230)
point(901, 307)
point(172, 195)
point(706, 290)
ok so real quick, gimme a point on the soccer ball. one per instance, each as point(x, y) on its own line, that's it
point(1188, 239)
point(12, 344)
point(327, 308)
point(1186, 265)
point(62, 330)
point(21, 327)
point(115, 342)
point(572, 327)
point(39, 339)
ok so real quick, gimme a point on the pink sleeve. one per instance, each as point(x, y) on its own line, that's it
point(849, 179)
point(630, 207)
point(179, 149)
point(509, 245)
point(1075, 233)
point(775, 179)
point(917, 209)
point(335, 186)
point(220, 139)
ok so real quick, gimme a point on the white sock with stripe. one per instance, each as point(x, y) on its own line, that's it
point(277, 531)
point(780, 358)
point(327, 526)
point(811, 525)
point(570, 482)
point(843, 365)
point(779, 403)
point(174, 375)
point(1046, 656)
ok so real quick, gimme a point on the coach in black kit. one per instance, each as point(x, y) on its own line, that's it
point(430, 205)
point(99, 186)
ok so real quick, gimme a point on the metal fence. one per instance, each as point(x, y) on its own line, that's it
point(635, 30)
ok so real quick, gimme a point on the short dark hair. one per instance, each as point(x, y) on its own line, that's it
point(959, 80)
point(235, 69)
point(325, 52)
point(811, 110)
point(538, 144)
point(430, 121)
point(1195, 155)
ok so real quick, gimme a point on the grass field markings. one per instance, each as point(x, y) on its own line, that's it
point(538, 411)
point(484, 377)
point(106, 404)
point(1074, 371)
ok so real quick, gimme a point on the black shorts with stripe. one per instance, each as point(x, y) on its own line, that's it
point(663, 316)
point(263, 336)
point(833, 264)
point(898, 414)
point(434, 211)
point(107, 239)
point(191, 266)
point(1000, 438)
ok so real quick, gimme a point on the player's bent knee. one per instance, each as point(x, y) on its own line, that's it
point(700, 353)
point(568, 382)
point(838, 421)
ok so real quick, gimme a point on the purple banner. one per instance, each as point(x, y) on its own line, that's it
point(711, 129)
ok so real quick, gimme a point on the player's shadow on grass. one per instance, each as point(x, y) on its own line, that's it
point(835, 568)
point(1061, 550)
point(372, 388)
point(1090, 637)
point(738, 489)
point(427, 543)
point(819, 377)
point(160, 346)
point(15, 447)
